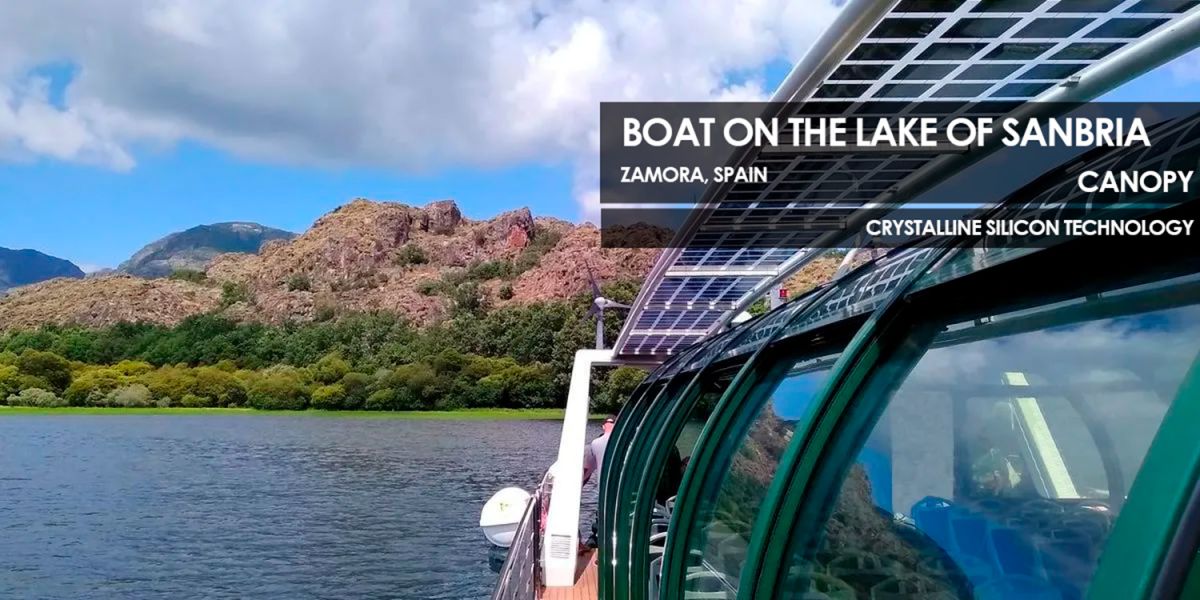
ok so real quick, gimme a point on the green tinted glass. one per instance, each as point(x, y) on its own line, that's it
point(662, 474)
point(618, 445)
point(627, 484)
point(1001, 462)
point(743, 468)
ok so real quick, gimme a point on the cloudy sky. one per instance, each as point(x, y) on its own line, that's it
point(123, 120)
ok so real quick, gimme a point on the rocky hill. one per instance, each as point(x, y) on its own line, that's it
point(23, 267)
point(416, 261)
point(195, 247)
point(100, 301)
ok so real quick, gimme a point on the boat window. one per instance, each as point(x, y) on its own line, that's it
point(664, 468)
point(643, 429)
point(729, 504)
point(619, 442)
point(1190, 587)
point(628, 417)
point(1000, 464)
point(685, 444)
point(629, 471)
point(656, 469)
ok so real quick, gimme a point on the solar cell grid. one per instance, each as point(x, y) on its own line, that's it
point(999, 53)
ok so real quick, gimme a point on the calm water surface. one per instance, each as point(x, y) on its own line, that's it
point(198, 506)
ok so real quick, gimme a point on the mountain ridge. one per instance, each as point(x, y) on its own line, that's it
point(422, 262)
point(25, 266)
point(193, 248)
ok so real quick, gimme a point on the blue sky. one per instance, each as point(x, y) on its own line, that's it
point(99, 217)
point(118, 149)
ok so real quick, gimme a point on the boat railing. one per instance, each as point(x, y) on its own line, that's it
point(519, 577)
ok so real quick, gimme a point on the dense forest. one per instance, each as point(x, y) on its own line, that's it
point(513, 357)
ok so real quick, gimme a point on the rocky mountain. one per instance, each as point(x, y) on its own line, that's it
point(363, 256)
point(195, 247)
point(22, 267)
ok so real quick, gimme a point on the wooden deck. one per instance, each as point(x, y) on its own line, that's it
point(586, 585)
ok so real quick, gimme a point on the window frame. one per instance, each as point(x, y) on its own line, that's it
point(736, 412)
point(666, 435)
point(674, 378)
point(642, 450)
point(631, 412)
point(1165, 511)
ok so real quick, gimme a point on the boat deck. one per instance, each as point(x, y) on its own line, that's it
point(586, 583)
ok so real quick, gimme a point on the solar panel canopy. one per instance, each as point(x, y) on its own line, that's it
point(955, 51)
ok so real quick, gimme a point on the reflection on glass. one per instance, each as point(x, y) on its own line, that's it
point(728, 508)
point(1000, 464)
point(680, 454)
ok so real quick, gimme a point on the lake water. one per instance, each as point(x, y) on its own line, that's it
point(254, 506)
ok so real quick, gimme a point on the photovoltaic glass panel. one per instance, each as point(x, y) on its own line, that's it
point(1001, 51)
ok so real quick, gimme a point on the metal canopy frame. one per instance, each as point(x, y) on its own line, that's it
point(730, 253)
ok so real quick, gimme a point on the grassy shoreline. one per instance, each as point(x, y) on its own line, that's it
point(468, 414)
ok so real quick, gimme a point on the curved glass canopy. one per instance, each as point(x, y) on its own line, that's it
point(958, 408)
point(668, 445)
point(619, 492)
point(996, 460)
point(728, 480)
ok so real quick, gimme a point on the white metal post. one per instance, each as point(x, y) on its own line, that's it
point(560, 544)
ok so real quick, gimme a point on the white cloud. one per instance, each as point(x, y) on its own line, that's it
point(31, 124)
point(1186, 69)
point(398, 85)
point(90, 268)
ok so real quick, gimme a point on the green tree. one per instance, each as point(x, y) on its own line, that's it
point(91, 386)
point(485, 393)
point(226, 365)
point(133, 367)
point(357, 387)
point(414, 387)
point(194, 401)
point(36, 397)
point(759, 307)
point(492, 269)
point(618, 386)
point(222, 387)
point(130, 396)
point(410, 254)
point(38, 339)
point(324, 311)
point(468, 298)
point(330, 369)
point(328, 397)
point(170, 382)
point(47, 366)
point(10, 380)
point(384, 399)
point(78, 344)
point(429, 287)
point(279, 389)
point(477, 357)
point(234, 292)
point(542, 242)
